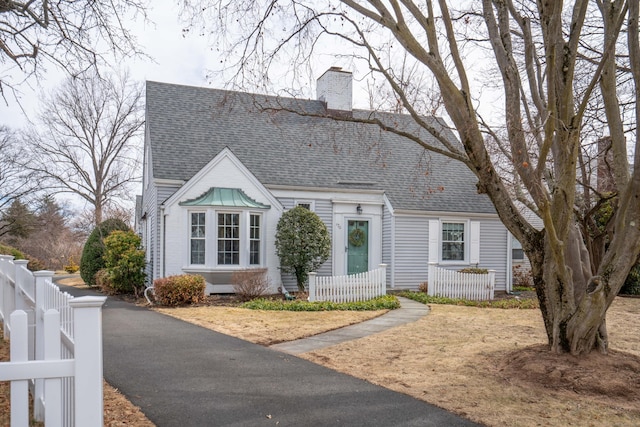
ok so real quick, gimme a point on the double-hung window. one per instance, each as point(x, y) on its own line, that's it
point(453, 241)
point(254, 239)
point(228, 239)
point(197, 237)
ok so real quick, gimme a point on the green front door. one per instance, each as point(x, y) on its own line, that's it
point(358, 249)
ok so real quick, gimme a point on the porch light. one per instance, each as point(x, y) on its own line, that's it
point(359, 209)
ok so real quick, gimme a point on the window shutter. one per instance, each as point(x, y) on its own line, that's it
point(474, 248)
point(434, 229)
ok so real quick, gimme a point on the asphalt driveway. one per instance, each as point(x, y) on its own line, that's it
point(181, 374)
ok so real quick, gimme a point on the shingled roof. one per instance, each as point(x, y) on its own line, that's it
point(188, 126)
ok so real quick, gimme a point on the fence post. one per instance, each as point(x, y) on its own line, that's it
point(312, 286)
point(8, 299)
point(41, 278)
point(19, 353)
point(20, 280)
point(431, 278)
point(383, 267)
point(87, 320)
point(492, 282)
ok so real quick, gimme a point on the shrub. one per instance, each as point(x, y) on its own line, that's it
point(302, 243)
point(124, 261)
point(35, 264)
point(251, 283)
point(103, 282)
point(72, 266)
point(424, 287)
point(522, 277)
point(523, 303)
point(10, 250)
point(385, 302)
point(92, 254)
point(632, 284)
point(178, 290)
point(474, 270)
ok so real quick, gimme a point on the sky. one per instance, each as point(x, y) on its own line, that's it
point(176, 58)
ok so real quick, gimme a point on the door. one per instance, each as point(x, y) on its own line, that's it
point(358, 249)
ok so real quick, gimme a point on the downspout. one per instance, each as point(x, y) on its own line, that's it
point(162, 242)
point(509, 275)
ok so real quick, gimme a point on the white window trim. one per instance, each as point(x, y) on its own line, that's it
point(211, 239)
point(466, 241)
point(206, 231)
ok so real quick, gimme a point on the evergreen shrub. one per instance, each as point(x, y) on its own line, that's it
point(124, 261)
point(93, 252)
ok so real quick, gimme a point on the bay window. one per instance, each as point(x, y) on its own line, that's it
point(225, 238)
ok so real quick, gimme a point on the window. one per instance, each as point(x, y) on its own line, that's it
point(198, 232)
point(307, 204)
point(516, 250)
point(254, 239)
point(453, 241)
point(228, 239)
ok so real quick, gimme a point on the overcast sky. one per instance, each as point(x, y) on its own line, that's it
point(177, 59)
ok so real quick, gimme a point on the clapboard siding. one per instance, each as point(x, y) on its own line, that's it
point(387, 243)
point(493, 250)
point(411, 251)
point(150, 233)
point(324, 209)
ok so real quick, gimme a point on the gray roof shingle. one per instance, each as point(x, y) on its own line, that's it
point(188, 126)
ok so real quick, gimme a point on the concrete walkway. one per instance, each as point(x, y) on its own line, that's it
point(410, 311)
point(181, 374)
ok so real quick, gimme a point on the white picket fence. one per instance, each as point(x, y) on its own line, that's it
point(454, 284)
point(354, 287)
point(56, 349)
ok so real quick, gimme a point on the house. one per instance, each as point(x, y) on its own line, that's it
point(220, 168)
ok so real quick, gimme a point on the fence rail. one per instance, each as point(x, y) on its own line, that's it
point(350, 288)
point(454, 284)
point(56, 349)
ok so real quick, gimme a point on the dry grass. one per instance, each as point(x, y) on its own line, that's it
point(485, 364)
point(268, 327)
point(455, 356)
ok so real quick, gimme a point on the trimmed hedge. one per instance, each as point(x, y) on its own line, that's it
point(386, 302)
point(179, 290)
point(93, 252)
point(501, 303)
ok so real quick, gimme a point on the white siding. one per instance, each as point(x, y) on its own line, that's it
point(324, 209)
point(387, 244)
point(411, 251)
point(493, 250)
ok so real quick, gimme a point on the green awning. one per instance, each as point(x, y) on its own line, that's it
point(227, 197)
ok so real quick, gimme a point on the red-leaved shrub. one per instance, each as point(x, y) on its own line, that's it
point(180, 289)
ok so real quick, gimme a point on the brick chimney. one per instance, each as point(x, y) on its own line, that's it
point(335, 88)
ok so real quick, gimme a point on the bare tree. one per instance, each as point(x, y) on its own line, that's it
point(539, 59)
point(73, 35)
point(87, 139)
point(16, 183)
